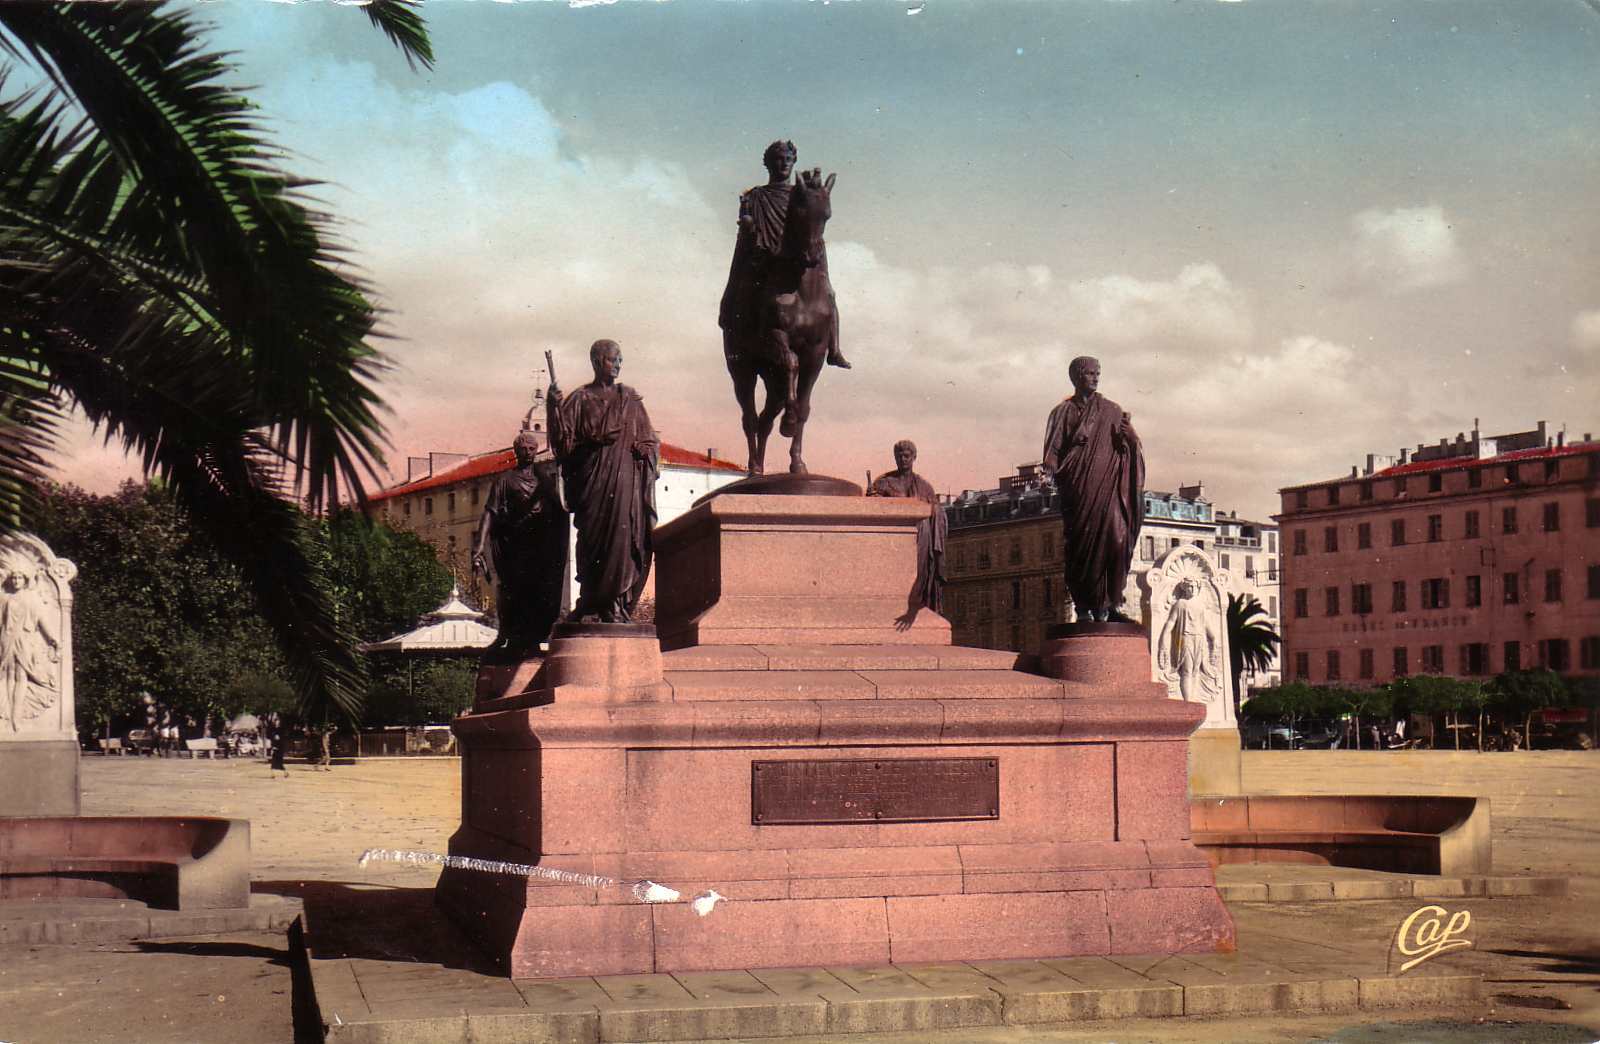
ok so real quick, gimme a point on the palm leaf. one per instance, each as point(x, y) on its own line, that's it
point(402, 24)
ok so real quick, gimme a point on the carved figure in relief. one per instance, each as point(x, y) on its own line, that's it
point(30, 651)
point(1190, 645)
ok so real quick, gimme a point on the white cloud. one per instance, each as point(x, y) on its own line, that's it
point(1586, 332)
point(1406, 249)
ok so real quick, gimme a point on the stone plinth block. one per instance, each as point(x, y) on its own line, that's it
point(498, 681)
point(747, 569)
point(930, 816)
point(39, 778)
point(1114, 657)
point(604, 663)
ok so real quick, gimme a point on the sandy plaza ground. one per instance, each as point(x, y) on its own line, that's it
point(308, 832)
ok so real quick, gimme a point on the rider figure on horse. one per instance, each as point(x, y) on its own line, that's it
point(762, 213)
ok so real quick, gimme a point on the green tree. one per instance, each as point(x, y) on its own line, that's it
point(160, 272)
point(158, 609)
point(1251, 641)
point(1526, 693)
point(382, 579)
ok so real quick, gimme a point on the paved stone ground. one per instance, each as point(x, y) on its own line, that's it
point(309, 830)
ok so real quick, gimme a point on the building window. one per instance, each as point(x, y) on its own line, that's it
point(961, 558)
point(1222, 560)
point(1552, 517)
point(1398, 596)
point(1508, 520)
point(1512, 478)
point(1365, 664)
point(473, 498)
point(1366, 491)
point(1333, 496)
point(1435, 482)
point(1249, 567)
point(1049, 594)
point(1591, 511)
point(1594, 581)
point(1402, 664)
point(1474, 591)
point(1361, 598)
point(1272, 539)
point(1299, 541)
point(1016, 594)
point(1471, 529)
point(1435, 528)
point(1433, 659)
point(1555, 654)
point(1272, 569)
point(1015, 557)
point(1016, 638)
point(1511, 582)
point(450, 503)
point(1475, 658)
point(1397, 532)
point(1399, 487)
point(1333, 664)
point(1272, 605)
point(1174, 542)
point(1301, 603)
point(1201, 544)
point(1302, 499)
point(983, 557)
point(1364, 536)
point(405, 508)
point(1589, 653)
point(1552, 470)
point(1150, 548)
point(1552, 585)
point(1436, 593)
point(1331, 596)
point(1513, 656)
point(1474, 478)
point(1330, 538)
point(1047, 545)
point(427, 505)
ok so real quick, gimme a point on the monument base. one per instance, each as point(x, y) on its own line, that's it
point(38, 778)
point(1215, 763)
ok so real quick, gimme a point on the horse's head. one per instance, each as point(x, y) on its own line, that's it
point(810, 207)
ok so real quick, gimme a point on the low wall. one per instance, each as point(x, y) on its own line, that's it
point(1402, 833)
point(175, 863)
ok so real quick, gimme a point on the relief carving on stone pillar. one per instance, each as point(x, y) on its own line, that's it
point(1187, 611)
point(35, 640)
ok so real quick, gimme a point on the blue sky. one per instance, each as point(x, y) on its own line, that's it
point(1293, 232)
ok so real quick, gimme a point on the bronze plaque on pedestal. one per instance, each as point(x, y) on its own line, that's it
point(885, 790)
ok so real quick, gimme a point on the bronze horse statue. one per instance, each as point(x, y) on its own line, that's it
point(797, 322)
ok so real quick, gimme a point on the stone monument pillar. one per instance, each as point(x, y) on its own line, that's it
point(1186, 607)
point(38, 733)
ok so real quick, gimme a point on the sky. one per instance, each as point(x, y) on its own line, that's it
point(1293, 233)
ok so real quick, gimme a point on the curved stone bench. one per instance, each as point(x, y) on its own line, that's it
point(1403, 834)
point(168, 863)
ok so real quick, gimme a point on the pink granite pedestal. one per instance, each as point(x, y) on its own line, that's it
point(1088, 852)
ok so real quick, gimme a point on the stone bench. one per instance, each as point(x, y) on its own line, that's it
point(206, 745)
point(111, 746)
point(168, 863)
point(1403, 834)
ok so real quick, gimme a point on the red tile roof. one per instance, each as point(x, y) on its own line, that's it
point(1536, 453)
point(496, 461)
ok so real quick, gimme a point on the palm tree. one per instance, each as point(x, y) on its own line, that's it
point(160, 272)
point(1251, 641)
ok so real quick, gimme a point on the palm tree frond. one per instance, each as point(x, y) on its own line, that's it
point(402, 23)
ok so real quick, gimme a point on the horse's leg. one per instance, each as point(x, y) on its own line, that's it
point(775, 383)
point(783, 355)
point(806, 380)
point(835, 356)
point(743, 371)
